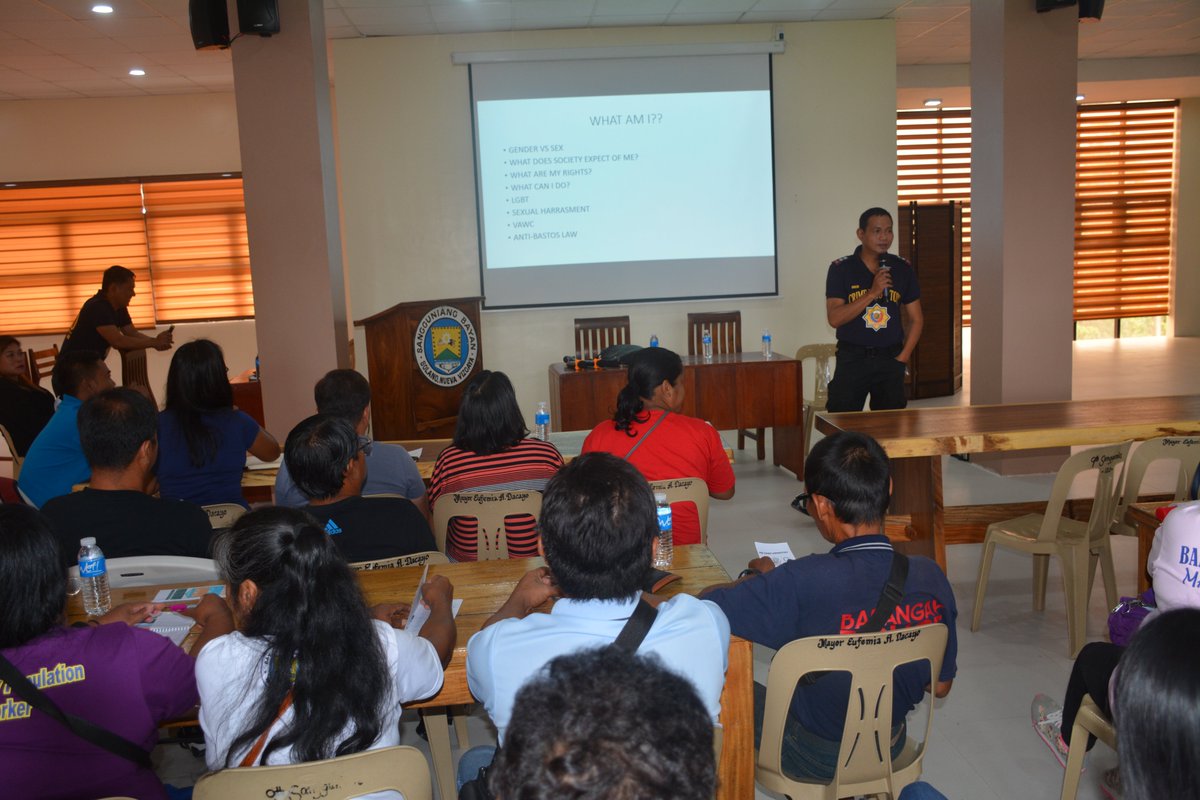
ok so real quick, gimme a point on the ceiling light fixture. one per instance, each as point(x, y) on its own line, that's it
point(1079, 98)
point(102, 9)
point(933, 102)
point(137, 72)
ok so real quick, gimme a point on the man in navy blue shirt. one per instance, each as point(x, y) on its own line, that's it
point(864, 293)
point(849, 484)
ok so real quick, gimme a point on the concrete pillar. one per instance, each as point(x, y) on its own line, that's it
point(285, 128)
point(1023, 79)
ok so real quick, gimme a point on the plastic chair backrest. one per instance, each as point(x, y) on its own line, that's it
point(410, 560)
point(151, 570)
point(489, 510)
point(12, 451)
point(593, 334)
point(402, 769)
point(864, 759)
point(821, 354)
point(687, 490)
point(1184, 449)
point(223, 515)
point(725, 327)
point(41, 362)
point(1106, 461)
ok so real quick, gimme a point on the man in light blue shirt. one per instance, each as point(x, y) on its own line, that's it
point(390, 469)
point(55, 461)
point(599, 532)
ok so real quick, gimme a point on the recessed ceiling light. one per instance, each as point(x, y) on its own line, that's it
point(137, 72)
point(1079, 98)
point(933, 102)
point(102, 9)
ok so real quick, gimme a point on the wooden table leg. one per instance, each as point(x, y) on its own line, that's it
point(735, 772)
point(787, 448)
point(917, 491)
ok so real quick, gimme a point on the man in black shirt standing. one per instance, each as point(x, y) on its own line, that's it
point(864, 293)
point(104, 321)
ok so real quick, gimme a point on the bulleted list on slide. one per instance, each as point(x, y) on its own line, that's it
point(629, 178)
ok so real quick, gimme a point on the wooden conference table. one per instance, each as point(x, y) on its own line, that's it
point(736, 391)
point(483, 587)
point(917, 438)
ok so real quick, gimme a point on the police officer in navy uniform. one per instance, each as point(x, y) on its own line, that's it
point(863, 296)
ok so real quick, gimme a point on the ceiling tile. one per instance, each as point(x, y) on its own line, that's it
point(82, 9)
point(28, 10)
point(632, 8)
point(711, 7)
point(792, 5)
point(408, 29)
point(703, 19)
point(168, 8)
point(627, 20)
point(412, 15)
point(48, 29)
point(78, 47)
point(474, 13)
point(334, 18)
point(140, 26)
point(779, 16)
point(34, 61)
point(579, 10)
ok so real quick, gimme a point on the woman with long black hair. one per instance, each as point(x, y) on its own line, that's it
point(649, 431)
point(202, 438)
point(25, 407)
point(311, 672)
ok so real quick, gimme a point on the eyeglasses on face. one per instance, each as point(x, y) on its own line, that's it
point(800, 503)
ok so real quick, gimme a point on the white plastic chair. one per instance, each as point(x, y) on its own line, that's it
point(1184, 450)
point(152, 570)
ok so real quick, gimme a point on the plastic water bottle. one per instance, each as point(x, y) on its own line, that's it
point(766, 343)
point(654, 340)
point(541, 422)
point(93, 575)
point(666, 544)
point(706, 339)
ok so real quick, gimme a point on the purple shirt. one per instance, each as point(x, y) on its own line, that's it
point(120, 678)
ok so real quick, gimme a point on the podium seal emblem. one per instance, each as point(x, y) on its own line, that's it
point(446, 346)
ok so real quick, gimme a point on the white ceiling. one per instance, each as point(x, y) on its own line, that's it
point(61, 49)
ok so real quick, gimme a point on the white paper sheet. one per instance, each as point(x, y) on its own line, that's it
point(779, 552)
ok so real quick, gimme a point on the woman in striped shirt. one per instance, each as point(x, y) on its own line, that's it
point(490, 453)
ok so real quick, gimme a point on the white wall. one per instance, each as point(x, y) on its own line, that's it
point(404, 137)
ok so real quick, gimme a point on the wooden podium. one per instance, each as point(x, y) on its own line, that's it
point(420, 355)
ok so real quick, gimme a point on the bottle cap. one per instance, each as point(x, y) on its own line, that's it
point(87, 541)
point(660, 497)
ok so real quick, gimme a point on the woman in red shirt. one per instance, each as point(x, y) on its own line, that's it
point(648, 431)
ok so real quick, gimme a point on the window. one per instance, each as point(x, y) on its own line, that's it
point(185, 239)
point(1124, 183)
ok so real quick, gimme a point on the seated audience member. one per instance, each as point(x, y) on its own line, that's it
point(122, 679)
point(848, 480)
point(390, 469)
point(104, 320)
point(490, 453)
point(1170, 564)
point(327, 460)
point(25, 407)
point(599, 532)
point(55, 460)
point(649, 432)
point(118, 431)
point(602, 724)
point(1157, 709)
point(305, 635)
point(202, 438)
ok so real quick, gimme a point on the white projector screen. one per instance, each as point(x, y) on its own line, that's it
point(624, 180)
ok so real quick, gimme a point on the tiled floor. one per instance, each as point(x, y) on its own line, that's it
point(983, 746)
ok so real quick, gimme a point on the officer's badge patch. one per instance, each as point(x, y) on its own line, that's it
point(876, 317)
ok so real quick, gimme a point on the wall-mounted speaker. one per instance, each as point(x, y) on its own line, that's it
point(260, 17)
point(1091, 10)
point(209, 22)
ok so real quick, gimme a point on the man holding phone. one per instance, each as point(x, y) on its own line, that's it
point(864, 293)
point(104, 321)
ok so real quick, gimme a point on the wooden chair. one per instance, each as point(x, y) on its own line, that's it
point(223, 515)
point(489, 510)
point(593, 334)
point(1182, 449)
point(396, 562)
point(687, 490)
point(865, 765)
point(1078, 545)
point(725, 327)
point(402, 769)
point(1089, 721)
point(134, 371)
point(12, 451)
point(41, 362)
point(822, 356)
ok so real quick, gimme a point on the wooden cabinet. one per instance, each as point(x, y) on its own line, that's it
point(930, 238)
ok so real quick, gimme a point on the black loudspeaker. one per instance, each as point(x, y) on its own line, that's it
point(259, 17)
point(1049, 5)
point(1091, 10)
point(209, 21)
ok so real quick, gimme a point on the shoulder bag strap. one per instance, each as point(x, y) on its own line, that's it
point(252, 756)
point(118, 745)
point(636, 628)
point(892, 593)
point(646, 435)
